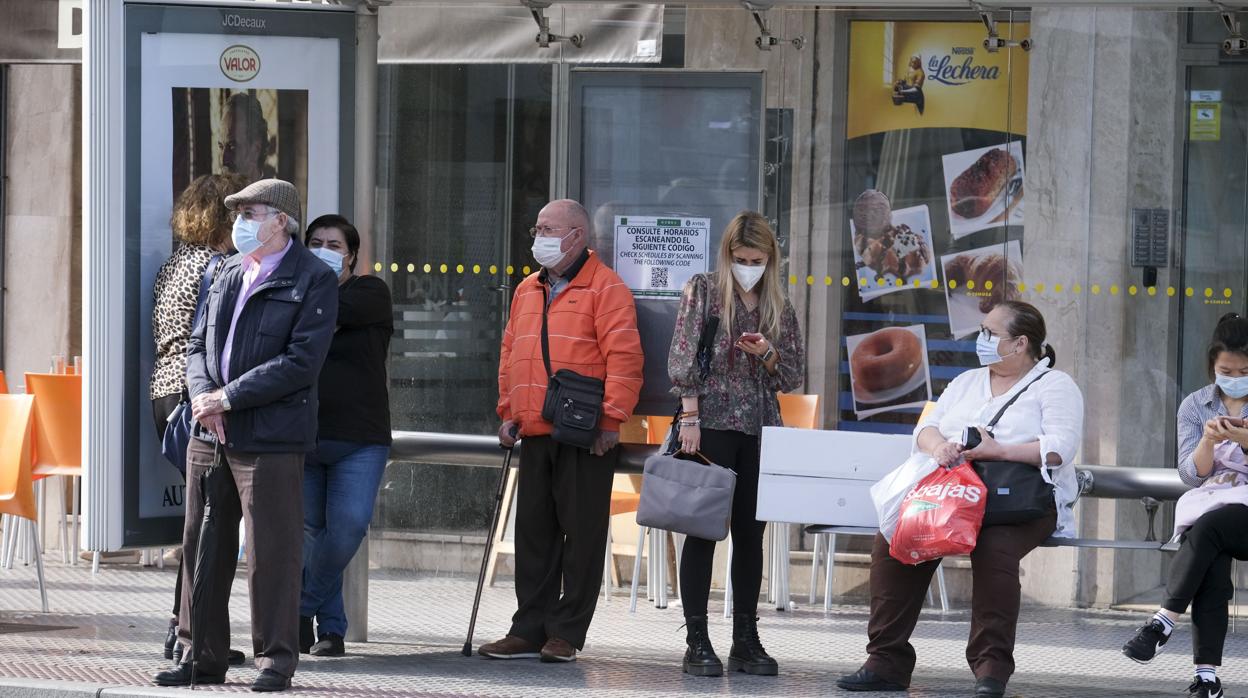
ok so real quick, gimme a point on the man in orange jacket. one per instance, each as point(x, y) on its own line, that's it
point(563, 500)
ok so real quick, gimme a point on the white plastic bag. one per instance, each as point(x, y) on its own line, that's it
point(893, 487)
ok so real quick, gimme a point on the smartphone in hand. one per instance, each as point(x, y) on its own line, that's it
point(1231, 422)
point(751, 337)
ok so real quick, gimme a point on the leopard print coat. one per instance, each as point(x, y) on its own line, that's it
point(175, 293)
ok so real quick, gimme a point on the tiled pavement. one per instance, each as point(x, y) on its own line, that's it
point(103, 636)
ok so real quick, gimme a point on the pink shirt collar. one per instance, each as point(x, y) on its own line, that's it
point(268, 262)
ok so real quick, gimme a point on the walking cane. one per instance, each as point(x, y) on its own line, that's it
point(489, 543)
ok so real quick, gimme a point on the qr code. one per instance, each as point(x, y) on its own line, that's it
point(658, 277)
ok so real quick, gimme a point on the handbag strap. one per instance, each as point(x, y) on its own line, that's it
point(545, 336)
point(205, 283)
point(1014, 399)
point(706, 342)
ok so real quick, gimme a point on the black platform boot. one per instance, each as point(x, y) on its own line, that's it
point(700, 659)
point(747, 653)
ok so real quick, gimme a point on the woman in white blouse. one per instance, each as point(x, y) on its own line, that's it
point(1043, 427)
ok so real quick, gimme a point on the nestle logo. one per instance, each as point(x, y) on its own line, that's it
point(242, 22)
point(240, 63)
point(962, 51)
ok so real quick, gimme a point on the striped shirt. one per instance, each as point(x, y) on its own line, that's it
point(1198, 408)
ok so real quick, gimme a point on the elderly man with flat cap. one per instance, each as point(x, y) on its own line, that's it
point(252, 365)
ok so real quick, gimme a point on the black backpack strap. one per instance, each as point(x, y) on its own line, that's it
point(1014, 399)
point(545, 336)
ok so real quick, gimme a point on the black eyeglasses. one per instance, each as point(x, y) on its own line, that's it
point(988, 334)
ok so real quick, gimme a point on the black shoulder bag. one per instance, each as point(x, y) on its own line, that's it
point(1017, 492)
point(573, 402)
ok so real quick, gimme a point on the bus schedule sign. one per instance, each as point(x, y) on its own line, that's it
point(656, 256)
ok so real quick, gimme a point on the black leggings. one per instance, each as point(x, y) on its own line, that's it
point(1201, 576)
point(738, 451)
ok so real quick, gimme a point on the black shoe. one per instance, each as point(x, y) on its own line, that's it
point(330, 645)
point(180, 675)
point(307, 637)
point(236, 658)
point(700, 659)
point(178, 651)
point(1147, 642)
point(988, 687)
point(1206, 689)
point(747, 653)
point(171, 638)
point(270, 681)
point(866, 680)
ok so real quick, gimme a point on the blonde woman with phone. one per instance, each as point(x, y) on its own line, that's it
point(1212, 442)
point(757, 352)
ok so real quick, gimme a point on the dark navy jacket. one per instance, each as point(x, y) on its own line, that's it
point(280, 343)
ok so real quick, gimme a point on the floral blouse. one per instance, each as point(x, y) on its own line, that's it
point(738, 394)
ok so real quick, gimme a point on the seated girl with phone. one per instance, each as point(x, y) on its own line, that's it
point(1209, 520)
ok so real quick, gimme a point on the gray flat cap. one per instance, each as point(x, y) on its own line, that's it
point(276, 193)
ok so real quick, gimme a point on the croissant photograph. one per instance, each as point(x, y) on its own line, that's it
point(978, 280)
point(984, 188)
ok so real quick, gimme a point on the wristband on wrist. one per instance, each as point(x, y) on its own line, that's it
point(690, 422)
point(771, 351)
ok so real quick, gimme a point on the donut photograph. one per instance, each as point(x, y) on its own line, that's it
point(888, 369)
point(982, 278)
point(890, 246)
point(984, 188)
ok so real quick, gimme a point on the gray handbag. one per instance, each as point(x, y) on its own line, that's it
point(686, 494)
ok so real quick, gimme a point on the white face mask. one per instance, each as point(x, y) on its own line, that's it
point(748, 276)
point(548, 251)
point(246, 235)
point(328, 256)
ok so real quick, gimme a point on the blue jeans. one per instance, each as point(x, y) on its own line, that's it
point(340, 481)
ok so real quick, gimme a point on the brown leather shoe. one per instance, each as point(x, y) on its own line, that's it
point(556, 650)
point(510, 647)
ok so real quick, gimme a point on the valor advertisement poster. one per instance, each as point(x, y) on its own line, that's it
point(656, 255)
point(257, 93)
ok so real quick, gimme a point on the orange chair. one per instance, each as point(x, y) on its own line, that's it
point(17, 492)
point(57, 427)
point(657, 427)
point(927, 410)
point(799, 411)
point(4, 384)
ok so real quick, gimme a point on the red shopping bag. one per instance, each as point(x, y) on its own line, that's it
point(940, 516)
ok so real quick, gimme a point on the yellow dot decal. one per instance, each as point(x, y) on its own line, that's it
point(1152, 290)
point(880, 281)
point(917, 283)
point(1039, 288)
point(792, 280)
point(1189, 292)
point(394, 266)
point(899, 282)
point(459, 269)
point(442, 268)
point(1078, 288)
point(1022, 287)
point(845, 281)
point(476, 269)
point(970, 284)
point(1169, 290)
point(810, 281)
point(493, 268)
point(411, 268)
point(988, 285)
point(1058, 288)
point(427, 268)
point(1208, 293)
point(862, 281)
point(377, 266)
point(1131, 289)
point(953, 284)
point(935, 283)
point(1226, 293)
point(526, 270)
point(1113, 289)
point(1096, 289)
point(827, 281)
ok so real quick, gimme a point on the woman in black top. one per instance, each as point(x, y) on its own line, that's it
point(341, 477)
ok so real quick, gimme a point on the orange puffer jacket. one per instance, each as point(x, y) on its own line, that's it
point(592, 329)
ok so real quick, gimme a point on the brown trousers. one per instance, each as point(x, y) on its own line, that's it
point(898, 590)
point(266, 491)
